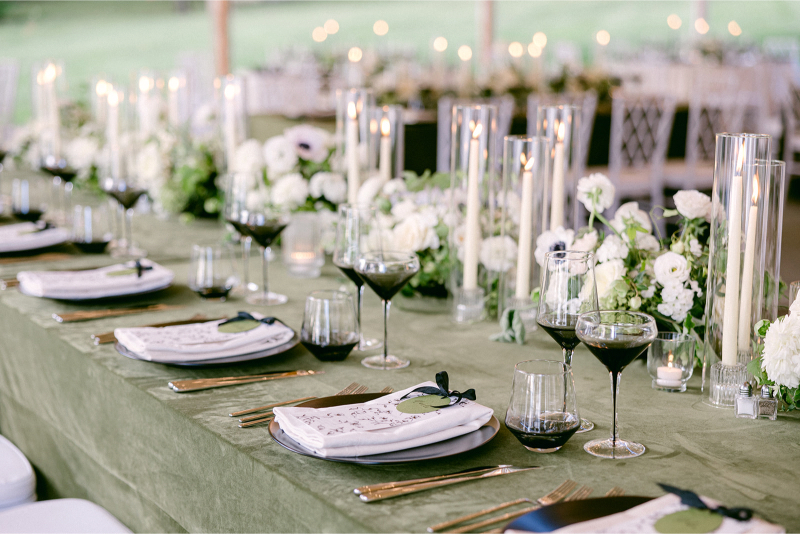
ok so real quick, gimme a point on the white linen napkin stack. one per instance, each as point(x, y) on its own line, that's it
point(94, 283)
point(377, 426)
point(24, 236)
point(200, 342)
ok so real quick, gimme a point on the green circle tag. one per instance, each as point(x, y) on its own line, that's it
point(237, 327)
point(692, 521)
point(423, 404)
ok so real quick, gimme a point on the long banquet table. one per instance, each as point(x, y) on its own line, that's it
point(103, 427)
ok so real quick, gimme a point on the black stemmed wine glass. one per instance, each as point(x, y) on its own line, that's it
point(352, 232)
point(264, 226)
point(568, 289)
point(239, 187)
point(126, 193)
point(386, 273)
point(616, 338)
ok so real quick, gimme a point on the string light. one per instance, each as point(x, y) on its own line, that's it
point(734, 28)
point(319, 34)
point(674, 21)
point(464, 53)
point(515, 49)
point(440, 44)
point(381, 27)
point(330, 26)
point(540, 39)
point(603, 38)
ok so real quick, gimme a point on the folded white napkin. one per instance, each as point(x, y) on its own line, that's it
point(377, 427)
point(201, 341)
point(23, 236)
point(643, 518)
point(94, 283)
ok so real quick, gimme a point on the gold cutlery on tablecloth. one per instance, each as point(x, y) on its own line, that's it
point(551, 498)
point(47, 256)
point(86, 315)
point(108, 337)
point(616, 491)
point(389, 485)
point(405, 490)
point(185, 386)
point(581, 493)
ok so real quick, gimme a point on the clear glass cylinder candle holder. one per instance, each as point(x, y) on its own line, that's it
point(302, 251)
point(670, 360)
point(771, 236)
point(471, 214)
point(178, 103)
point(49, 82)
point(520, 201)
point(232, 117)
point(352, 136)
point(794, 291)
point(386, 142)
point(741, 200)
point(148, 103)
point(561, 125)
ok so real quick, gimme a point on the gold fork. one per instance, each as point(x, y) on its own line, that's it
point(580, 494)
point(553, 497)
point(616, 491)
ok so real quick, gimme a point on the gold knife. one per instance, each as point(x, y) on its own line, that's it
point(185, 386)
point(405, 490)
point(87, 315)
point(47, 256)
point(108, 337)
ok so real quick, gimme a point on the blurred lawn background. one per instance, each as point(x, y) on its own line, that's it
point(115, 38)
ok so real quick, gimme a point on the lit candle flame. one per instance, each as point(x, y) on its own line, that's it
point(755, 189)
point(113, 98)
point(476, 129)
point(740, 162)
point(385, 127)
point(373, 126)
point(174, 84)
point(144, 84)
point(49, 73)
point(562, 131)
point(230, 91)
point(101, 88)
point(669, 359)
point(527, 164)
point(351, 110)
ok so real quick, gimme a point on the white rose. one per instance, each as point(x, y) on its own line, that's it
point(606, 274)
point(403, 209)
point(248, 157)
point(671, 268)
point(585, 243)
point(552, 240)
point(612, 248)
point(369, 190)
point(596, 192)
point(279, 156)
point(412, 235)
point(781, 358)
point(498, 253)
point(628, 213)
point(693, 204)
point(290, 191)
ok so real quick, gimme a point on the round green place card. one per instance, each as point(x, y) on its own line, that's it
point(424, 404)
point(691, 521)
point(237, 327)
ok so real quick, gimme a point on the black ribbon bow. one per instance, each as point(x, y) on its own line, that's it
point(691, 499)
point(443, 381)
point(244, 316)
point(141, 268)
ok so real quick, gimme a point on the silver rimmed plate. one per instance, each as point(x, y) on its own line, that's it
point(98, 300)
point(274, 351)
point(442, 449)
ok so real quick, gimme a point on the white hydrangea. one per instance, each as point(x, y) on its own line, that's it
point(81, 153)
point(649, 292)
point(249, 157)
point(369, 190)
point(403, 209)
point(552, 240)
point(596, 192)
point(695, 248)
point(647, 242)
point(693, 204)
point(781, 358)
point(290, 191)
point(279, 156)
point(329, 185)
point(150, 168)
point(671, 268)
point(606, 274)
point(586, 242)
point(676, 300)
point(498, 253)
point(612, 248)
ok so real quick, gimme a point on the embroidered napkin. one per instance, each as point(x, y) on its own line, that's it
point(201, 341)
point(377, 427)
point(643, 519)
point(116, 280)
point(27, 236)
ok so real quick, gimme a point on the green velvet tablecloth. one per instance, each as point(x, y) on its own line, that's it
point(100, 426)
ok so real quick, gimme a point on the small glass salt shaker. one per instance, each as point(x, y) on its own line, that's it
point(767, 405)
point(746, 405)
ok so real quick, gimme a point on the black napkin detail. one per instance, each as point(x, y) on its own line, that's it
point(141, 268)
point(691, 499)
point(443, 381)
point(244, 316)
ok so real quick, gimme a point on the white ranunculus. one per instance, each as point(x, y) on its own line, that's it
point(394, 186)
point(81, 153)
point(693, 204)
point(628, 213)
point(249, 157)
point(586, 242)
point(596, 192)
point(403, 209)
point(498, 253)
point(290, 191)
point(413, 235)
point(671, 268)
point(606, 274)
point(647, 242)
point(612, 248)
point(279, 156)
point(310, 143)
point(552, 240)
point(150, 168)
point(369, 190)
point(781, 358)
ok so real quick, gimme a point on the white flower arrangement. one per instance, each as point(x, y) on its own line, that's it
point(778, 366)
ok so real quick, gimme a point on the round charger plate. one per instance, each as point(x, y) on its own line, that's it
point(98, 300)
point(442, 449)
point(562, 514)
point(55, 237)
point(280, 349)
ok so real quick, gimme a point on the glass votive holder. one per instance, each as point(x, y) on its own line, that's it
point(212, 272)
point(303, 254)
point(794, 291)
point(469, 305)
point(92, 228)
point(527, 312)
point(670, 361)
